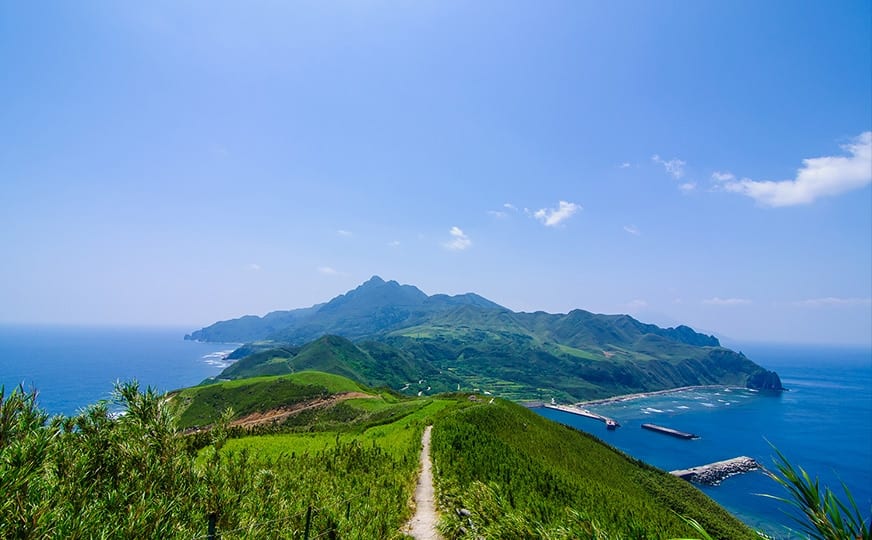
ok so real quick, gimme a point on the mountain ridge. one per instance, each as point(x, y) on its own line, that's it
point(384, 333)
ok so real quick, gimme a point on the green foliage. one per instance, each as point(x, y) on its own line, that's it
point(522, 476)
point(101, 475)
point(822, 515)
point(95, 474)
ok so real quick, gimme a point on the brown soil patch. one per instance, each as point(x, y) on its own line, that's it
point(283, 413)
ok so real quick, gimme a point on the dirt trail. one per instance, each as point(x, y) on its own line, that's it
point(422, 526)
point(278, 415)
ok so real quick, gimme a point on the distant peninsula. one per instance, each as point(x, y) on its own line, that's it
point(383, 333)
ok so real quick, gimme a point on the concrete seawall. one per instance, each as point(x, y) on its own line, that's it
point(713, 473)
point(609, 422)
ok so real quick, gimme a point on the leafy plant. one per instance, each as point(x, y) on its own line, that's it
point(822, 514)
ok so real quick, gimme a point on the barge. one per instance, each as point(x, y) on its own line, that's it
point(670, 431)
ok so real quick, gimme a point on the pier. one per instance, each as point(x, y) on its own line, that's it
point(609, 422)
point(713, 473)
point(670, 431)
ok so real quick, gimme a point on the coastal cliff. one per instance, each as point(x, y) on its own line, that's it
point(767, 381)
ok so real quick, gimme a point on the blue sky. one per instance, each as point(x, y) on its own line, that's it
point(687, 162)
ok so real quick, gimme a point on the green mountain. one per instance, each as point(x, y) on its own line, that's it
point(395, 335)
point(372, 308)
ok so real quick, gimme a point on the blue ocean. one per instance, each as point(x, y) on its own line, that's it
point(823, 424)
point(72, 367)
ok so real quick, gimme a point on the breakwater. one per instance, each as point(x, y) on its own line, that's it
point(713, 473)
point(609, 422)
point(670, 431)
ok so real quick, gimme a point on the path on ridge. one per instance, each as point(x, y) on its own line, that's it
point(422, 526)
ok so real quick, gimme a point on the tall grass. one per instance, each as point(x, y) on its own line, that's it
point(102, 475)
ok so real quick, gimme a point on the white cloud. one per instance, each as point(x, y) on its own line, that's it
point(825, 176)
point(675, 167)
point(632, 230)
point(552, 217)
point(726, 301)
point(507, 209)
point(459, 241)
point(343, 232)
point(253, 266)
point(328, 271)
point(831, 301)
point(687, 187)
point(719, 176)
point(394, 243)
point(624, 165)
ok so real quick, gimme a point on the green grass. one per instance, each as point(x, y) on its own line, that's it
point(392, 436)
point(523, 476)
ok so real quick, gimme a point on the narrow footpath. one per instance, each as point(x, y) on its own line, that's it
point(422, 526)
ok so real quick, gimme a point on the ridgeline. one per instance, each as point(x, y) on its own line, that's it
point(387, 334)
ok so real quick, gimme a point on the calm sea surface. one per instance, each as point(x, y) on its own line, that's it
point(824, 424)
point(72, 367)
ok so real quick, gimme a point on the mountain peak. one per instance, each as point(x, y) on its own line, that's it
point(374, 280)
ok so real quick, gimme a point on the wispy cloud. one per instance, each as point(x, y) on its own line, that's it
point(726, 301)
point(675, 166)
point(328, 271)
point(624, 165)
point(632, 230)
point(687, 187)
point(459, 240)
point(253, 266)
point(825, 176)
point(343, 232)
point(507, 208)
point(831, 301)
point(719, 176)
point(394, 243)
point(553, 217)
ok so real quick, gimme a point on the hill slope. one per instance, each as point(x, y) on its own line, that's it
point(523, 476)
point(518, 473)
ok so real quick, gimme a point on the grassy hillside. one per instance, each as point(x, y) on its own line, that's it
point(370, 362)
point(204, 405)
point(522, 476)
